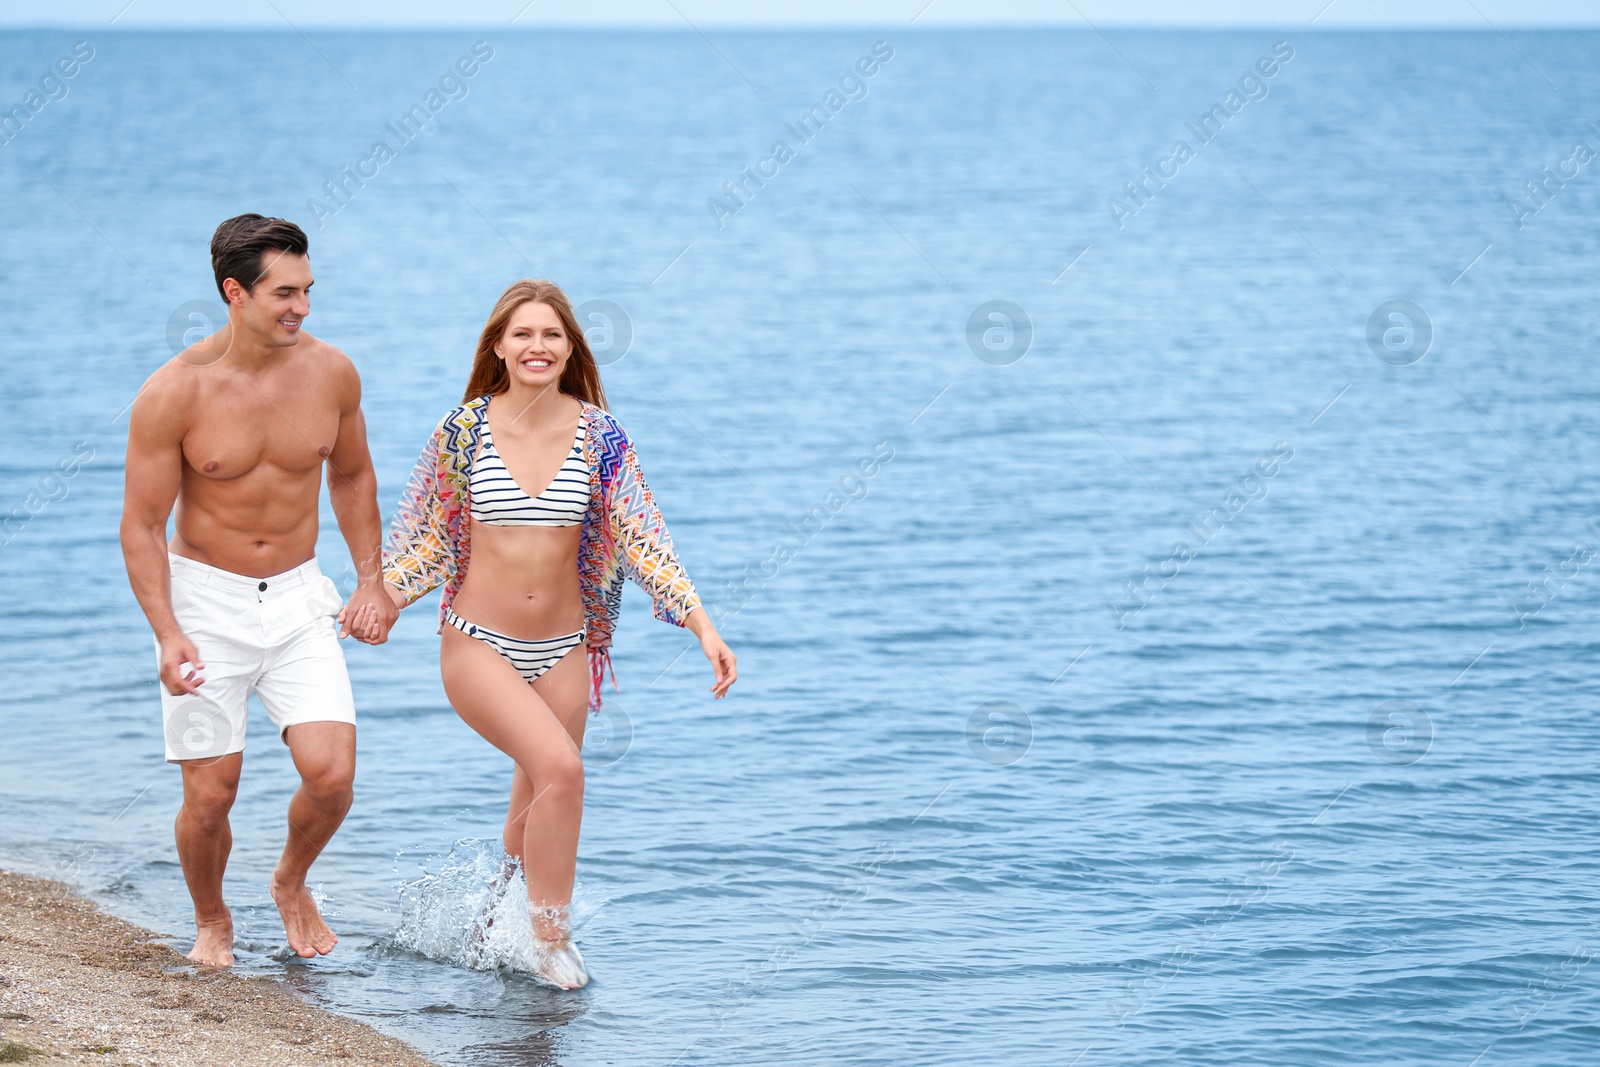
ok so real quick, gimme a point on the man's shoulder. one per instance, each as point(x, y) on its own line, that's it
point(171, 375)
point(326, 370)
point(328, 357)
point(169, 392)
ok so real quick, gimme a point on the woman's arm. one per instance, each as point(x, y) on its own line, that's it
point(419, 555)
point(647, 553)
point(648, 557)
point(721, 657)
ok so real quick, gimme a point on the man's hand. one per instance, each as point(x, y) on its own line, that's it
point(369, 614)
point(175, 652)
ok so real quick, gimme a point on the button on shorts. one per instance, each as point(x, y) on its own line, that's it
point(273, 636)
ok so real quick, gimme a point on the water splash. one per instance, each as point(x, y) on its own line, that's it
point(473, 911)
point(324, 902)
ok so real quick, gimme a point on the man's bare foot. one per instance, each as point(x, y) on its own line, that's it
point(308, 934)
point(213, 943)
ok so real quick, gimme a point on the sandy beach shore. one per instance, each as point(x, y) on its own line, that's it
point(78, 986)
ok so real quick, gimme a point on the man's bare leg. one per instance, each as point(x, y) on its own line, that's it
point(325, 755)
point(204, 841)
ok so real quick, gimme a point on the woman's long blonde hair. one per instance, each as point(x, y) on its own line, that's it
point(581, 376)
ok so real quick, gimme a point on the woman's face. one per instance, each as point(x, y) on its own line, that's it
point(534, 345)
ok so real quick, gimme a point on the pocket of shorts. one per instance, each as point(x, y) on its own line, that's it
point(324, 599)
point(317, 601)
point(178, 598)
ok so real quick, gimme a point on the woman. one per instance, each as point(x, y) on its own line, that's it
point(534, 482)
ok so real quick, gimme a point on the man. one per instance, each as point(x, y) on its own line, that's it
point(236, 430)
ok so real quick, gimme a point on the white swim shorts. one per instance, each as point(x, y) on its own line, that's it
point(276, 636)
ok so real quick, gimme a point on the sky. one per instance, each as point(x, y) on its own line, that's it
point(1487, 15)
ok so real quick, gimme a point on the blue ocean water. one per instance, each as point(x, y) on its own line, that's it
point(1204, 674)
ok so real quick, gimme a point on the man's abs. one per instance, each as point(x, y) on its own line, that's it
point(260, 524)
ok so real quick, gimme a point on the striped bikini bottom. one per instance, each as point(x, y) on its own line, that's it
point(530, 658)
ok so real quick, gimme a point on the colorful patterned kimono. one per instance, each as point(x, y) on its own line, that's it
point(623, 534)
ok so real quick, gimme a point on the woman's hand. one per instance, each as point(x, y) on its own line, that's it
point(366, 622)
point(718, 654)
point(370, 612)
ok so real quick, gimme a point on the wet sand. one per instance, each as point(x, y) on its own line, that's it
point(78, 986)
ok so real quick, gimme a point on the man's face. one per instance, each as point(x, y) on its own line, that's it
point(276, 309)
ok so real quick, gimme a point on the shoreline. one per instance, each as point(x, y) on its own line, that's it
point(80, 986)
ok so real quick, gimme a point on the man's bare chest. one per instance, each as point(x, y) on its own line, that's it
point(237, 432)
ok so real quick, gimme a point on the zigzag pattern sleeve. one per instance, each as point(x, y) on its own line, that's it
point(647, 554)
point(419, 556)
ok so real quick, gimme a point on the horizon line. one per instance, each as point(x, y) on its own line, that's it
point(668, 27)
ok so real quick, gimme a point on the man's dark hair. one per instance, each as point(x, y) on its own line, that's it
point(238, 245)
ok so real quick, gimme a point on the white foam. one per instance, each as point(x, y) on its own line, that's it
point(472, 911)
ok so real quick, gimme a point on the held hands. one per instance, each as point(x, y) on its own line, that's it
point(175, 652)
point(371, 611)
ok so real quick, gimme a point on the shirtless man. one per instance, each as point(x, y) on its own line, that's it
point(236, 430)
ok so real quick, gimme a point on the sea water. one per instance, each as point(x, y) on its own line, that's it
point(471, 910)
point(1162, 579)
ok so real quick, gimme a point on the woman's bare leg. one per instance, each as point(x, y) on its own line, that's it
point(516, 828)
point(564, 689)
point(547, 787)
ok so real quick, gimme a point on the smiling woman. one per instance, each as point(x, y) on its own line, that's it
point(546, 586)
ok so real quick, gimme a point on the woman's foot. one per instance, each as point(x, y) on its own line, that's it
point(559, 961)
point(561, 965)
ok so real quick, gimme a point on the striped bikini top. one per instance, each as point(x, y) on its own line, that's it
point(499, 501)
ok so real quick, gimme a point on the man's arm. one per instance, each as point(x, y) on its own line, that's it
point(353, 493)
point(154, 472)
